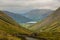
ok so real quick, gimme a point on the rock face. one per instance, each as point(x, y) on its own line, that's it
point(51, 23)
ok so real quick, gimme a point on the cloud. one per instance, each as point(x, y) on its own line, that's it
point(58, 0)
point(23, 5)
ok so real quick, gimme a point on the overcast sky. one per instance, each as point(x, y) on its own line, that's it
point(23, 5)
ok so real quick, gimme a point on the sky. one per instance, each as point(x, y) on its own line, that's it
point(21, 6)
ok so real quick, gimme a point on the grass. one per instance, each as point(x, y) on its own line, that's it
point(7, 36)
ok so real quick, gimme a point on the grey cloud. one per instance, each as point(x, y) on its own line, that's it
point(58, 0)
point(26, 4)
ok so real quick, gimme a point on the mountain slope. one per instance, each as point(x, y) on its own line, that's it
point(8, 25)
point(19, 18)
point(51, 23)
point(49, 29)
point(38, 14)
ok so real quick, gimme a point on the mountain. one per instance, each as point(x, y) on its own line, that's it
point(38, 14)
point(19, 18)
point(8, 25)
point(12, 29)
point(49, 28)
point(51, 23)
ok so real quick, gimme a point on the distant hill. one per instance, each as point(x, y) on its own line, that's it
point(38, 14)
point(51, 23)
point(19, 18)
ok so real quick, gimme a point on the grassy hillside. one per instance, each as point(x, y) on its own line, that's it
point(50, 22)
point(8, 25)
point(7, 36)
point(49, 28)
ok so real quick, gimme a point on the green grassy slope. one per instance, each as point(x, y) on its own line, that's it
point(49, 23)
point(7, 36)
point(49, 28)
point(8, 25)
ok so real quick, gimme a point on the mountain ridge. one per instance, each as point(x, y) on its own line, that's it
point(19, 18)
point(38, 14)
